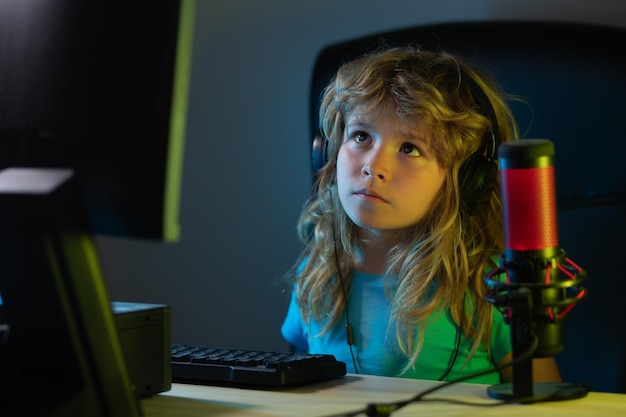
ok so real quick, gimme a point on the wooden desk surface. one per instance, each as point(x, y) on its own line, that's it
point(353, 392)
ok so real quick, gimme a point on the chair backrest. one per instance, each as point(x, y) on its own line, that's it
point(573, 77)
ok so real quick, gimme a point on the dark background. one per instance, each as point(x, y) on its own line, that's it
point(247, 167)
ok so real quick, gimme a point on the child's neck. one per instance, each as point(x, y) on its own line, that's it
point(371, 265)
point(374, 248)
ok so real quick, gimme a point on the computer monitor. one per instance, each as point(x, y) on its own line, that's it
point(93, 100)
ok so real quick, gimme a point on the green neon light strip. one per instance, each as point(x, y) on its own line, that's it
point(178, 121)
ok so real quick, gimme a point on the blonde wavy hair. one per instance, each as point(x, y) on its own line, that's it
point(441, 262)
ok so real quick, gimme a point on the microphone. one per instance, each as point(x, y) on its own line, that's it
point(530, 233)
point(535, 284)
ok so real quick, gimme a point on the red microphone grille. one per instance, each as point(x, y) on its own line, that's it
point(528, 195)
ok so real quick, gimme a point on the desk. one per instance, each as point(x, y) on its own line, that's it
point(353, 392)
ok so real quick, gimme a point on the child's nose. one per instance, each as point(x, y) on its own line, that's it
point(377, 165)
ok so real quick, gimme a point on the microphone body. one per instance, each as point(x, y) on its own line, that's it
point(532, 252)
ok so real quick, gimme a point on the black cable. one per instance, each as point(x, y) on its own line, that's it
point(349, 329)
point(385, 409)
point(457, 343)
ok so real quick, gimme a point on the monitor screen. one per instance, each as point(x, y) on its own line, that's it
point(101, 88)
point(93, 103)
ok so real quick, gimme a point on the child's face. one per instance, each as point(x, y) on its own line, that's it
point(387, 176)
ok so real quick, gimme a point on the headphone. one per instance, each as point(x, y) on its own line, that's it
point(477, 175)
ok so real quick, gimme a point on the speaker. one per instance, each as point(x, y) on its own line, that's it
point(145, 335)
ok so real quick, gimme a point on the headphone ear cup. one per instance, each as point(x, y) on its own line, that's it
point(318, 153)
point(477, 178)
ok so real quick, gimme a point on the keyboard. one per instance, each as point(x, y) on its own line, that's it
point(250, 368)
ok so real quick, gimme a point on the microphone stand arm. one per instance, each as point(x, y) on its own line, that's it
point(522, 338)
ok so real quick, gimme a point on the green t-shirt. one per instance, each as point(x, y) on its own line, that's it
point(376, 348)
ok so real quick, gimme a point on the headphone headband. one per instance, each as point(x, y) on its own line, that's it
point(487, 110)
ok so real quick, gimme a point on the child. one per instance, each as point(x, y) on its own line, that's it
point(405, 222)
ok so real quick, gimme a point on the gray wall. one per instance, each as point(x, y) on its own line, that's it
point(247, 155)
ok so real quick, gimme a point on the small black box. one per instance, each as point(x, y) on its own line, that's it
point(145, 336)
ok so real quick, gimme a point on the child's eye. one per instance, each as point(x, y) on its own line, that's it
point(360, 136)
point(410, 149)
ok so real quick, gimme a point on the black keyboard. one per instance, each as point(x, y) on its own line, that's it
point(248, 368)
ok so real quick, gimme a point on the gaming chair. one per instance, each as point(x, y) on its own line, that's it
point(571, 79)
